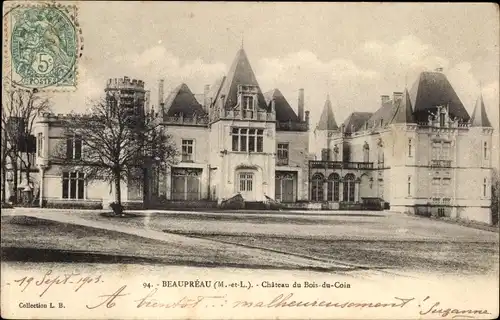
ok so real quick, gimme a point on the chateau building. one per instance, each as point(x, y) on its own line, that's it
point(413, 153)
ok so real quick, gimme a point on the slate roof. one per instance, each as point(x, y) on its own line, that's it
point(392, 112)
point(403, 112)
point(284, 111)
point(479, 116)
point(327, 119)
point(355, 121)
point(240, 73)
point(200, 97)
point(215, 88)
point(432, 89)
point(182, 100)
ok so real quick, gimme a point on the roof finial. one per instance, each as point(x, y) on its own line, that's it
point(242, 39)
point(406, 80)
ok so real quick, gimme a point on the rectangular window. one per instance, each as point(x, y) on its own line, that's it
point(73, 185)
point(187, 150)
point(435, 188)
point(74, 148)
point(445, 152)
point(236, 139)
point(325, 155)
point(246, 181)
point(247, 140)
point(251, 140)
point(186, 184)
point(283, 154)
point(409, 147)
point(248, 106)
point(409, 185)
point(442, 118)
point(260, 140)
point(39, 146)
point(78, 148)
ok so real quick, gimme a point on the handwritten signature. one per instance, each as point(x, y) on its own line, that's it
point(76, 280)
point(427, 306)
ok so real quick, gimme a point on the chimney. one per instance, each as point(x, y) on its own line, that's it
point(397, 96)
point(273, 105)
point(384, 98)
point(206, 103)
point(301, 105)
point(160, 91)
point(222, 101)
point(307, 118)
point(162, 110)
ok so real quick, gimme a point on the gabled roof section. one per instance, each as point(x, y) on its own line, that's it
point(403, 112)
point(381, 117)
point(215, 89)
point(327, 119)
point(479, 116)
point(355, 121)
point(182, 100)
point(391, 111)
point(433, 89)
point(240, 73)
point(284, 111)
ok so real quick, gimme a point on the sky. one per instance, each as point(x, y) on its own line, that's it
point(353, 52)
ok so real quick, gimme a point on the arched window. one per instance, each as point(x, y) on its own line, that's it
point(349, 187)
point(332, 189)
point(366, 152)
point(317, 187)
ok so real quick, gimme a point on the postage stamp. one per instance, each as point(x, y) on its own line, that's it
point(43, 46)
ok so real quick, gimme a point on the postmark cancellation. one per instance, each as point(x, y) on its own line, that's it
point(42, 45)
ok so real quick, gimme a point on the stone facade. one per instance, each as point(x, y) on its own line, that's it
point(235, 140)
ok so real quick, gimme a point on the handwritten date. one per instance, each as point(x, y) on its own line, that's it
point(49, 280)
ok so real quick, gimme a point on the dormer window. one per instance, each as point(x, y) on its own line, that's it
point(248, 106)
point(442, 119)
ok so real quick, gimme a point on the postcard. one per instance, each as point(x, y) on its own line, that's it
point(260, 160)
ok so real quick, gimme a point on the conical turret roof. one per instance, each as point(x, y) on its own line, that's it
point(479, 116)
point(240, 73)
point(327, 119)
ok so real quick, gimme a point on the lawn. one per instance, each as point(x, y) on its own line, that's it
point(420, 256)
point(31, 239)
point(392, 241)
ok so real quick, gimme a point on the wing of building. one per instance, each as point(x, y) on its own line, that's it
point(235, 139)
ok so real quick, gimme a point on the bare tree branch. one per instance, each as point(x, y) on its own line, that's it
point(117, 143)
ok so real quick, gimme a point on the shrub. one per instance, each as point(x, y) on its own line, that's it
point(236, 202)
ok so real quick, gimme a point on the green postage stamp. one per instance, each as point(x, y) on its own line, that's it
point(43, 46)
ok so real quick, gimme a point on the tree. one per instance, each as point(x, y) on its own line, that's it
point(118, 144)
point(20, 108)
point(495, 197)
